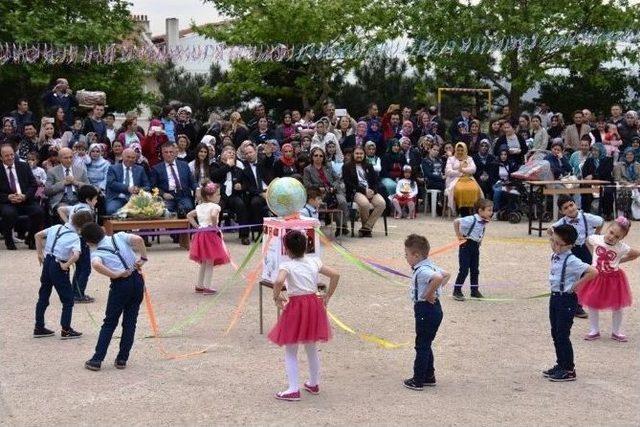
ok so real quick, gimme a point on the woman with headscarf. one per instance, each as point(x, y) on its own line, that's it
point(370, 151)
point(407, 131)
point(141, 160)
point(392, 163)
point(485, 164)
point(356, 139)
point(626, 173)
point(97, 168)
point(461, 188)
point(286, 164)
point(374, 133)
point(323, 136)
point(599, 166)
point(344, 129)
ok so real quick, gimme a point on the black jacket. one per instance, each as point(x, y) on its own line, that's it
point(249, 182)
point(350, 177)
point(604, 171)
point(501, 144)
point(26, 180)
point(219, 175)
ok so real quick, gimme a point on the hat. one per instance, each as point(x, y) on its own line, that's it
point(186, 109)
point(406, 168)
point(207, 139)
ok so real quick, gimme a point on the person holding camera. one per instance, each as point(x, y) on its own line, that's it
point(61, 96)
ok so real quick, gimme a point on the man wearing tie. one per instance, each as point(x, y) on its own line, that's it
point(17, 190)
point(174, 180)
point(255, 180)
point(123, 180)
point(64, 180)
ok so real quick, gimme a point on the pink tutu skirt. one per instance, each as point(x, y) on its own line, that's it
point(303, 320)
point(607, 291)
point(207, 246)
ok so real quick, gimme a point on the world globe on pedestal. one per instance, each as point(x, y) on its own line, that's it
point(286, 196)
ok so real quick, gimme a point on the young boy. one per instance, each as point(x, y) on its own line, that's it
point(471, 228)
point(314, 199)
point(88, 198)
point(566, 275)
point(425, 289)
point(62, 249)
point(115, 257)
point(586, 224)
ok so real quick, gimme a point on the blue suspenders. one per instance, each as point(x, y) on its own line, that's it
point(563, 273)
point(115, 251)
point(586, 226)
point(58, 235)
point(415, 283)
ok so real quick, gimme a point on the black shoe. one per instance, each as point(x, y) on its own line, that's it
point(345, 231)
point(562, 376)
point(581, 313)
point(430, 382)
point(458, 295)
point(92, 365)
point(120, 364)
point(550, 372)
point(10, 244)
point(85, 299)
point(147, 243)
point(475, 293)
point(31, 245)
point(364, 232)
point(412, 384)
point(69, 334)
point(42, 332)
point(245, 241)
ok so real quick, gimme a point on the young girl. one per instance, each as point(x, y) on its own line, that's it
point(609, 290)
point(406, 192)
point(304, 319)
point(207, 247)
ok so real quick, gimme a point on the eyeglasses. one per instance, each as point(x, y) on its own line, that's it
point(318, 155)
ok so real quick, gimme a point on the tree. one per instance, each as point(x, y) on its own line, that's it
point(61, 22)
point(515, 70)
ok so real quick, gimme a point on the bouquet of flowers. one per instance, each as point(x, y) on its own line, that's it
point(143, 205)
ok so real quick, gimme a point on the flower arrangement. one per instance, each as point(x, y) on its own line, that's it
point(143, 205)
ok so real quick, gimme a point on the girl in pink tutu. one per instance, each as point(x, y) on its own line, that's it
point(304, 318)
point(609, 290)
point(207, 247)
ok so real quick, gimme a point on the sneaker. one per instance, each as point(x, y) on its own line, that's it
point(619, 337)
point(294, 396)
point(68, 334)
point(42, 332)
point(199, 290)
point(315, 389)
point(412, 384)
point(430, 382)
point(592, 337)
point(120, 364)
point(85, 299)
point(475, 293)
point(458, 295)
point(550, 372)
point(562, 376)
point(209, 291)
point(581, 313)
point(92, 365)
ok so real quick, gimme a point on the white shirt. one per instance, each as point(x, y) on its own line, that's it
point(15, 177)
point(253, 170)
point(204, 212)
point(605, 256)
point(302, 275)
point(64, 174)
point(124, 178)
point(172, 182)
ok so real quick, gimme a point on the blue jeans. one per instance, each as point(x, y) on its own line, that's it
point(428, 318)
point(469, 260)
point(125, 297)
point(83, 270)
point(54, 277)
point(562, 308)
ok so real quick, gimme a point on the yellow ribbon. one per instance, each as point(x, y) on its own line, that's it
point(380, 342)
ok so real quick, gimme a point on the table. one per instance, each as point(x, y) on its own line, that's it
point(561, 189)
point(269, 285)
point(112, 225)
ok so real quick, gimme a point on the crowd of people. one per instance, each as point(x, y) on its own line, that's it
point(377, 162)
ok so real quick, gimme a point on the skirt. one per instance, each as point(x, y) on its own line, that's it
point(466, 192)
point(607, 291)
point(207, 246)
point(303, 320)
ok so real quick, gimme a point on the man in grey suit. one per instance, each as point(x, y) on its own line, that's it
point(64, 180)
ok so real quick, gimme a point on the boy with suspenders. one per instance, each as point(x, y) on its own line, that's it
point(115, 257)
point(566, 275)
point(586, 224)
point(471, 229)
point(62, 248)
point(88, 198)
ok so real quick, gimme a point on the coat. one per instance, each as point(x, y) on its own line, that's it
point(54, 187)
point(115, 181)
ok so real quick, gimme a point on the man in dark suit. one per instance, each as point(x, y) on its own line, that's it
point(174, 180)
point(255, 178)
point(123, 180)
point(17, 191)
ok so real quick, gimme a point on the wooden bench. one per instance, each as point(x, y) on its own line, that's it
point(267, 284)
point(113, 225)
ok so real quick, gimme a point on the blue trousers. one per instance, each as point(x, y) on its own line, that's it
point(562, 308)
point(54, 277)
point(125, 296)
point(583, 253)
point(428, 318)
point(83, 270)
point(469, 260)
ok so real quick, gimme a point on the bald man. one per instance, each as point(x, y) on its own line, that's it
point(123, 180)
point(61, 96)
point(64, 180)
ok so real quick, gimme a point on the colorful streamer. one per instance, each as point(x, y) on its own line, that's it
point(380, 342)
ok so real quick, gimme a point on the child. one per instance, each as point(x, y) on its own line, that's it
point(314, 199)
point(207, 247)
point(610, 289)
point(62, 249)
point(566, 276)
point(586, 224)
point(115, 257)
point(425, 290)
point(406, 192)
point(87, 200)
point(304, 319)
point(80, 155)
point(39, 174)
point(471, 229)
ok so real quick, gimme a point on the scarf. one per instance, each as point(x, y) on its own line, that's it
point(287, 161)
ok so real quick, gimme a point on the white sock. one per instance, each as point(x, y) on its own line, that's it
point(208, 275)
point(201, 275)
point(594, 317)
point(291, 367)
point(616, 321)
point(314, 363)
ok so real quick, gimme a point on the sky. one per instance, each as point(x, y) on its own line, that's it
point(185, 10)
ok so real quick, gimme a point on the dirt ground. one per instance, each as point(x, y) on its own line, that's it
point(488, 354)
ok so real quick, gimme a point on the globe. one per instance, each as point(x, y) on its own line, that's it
point(286, 196)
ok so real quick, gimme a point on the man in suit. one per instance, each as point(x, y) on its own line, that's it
point(123, 180)
point(255, 178)
point(574, 132)
point(174, 180)
point(17, 190)
point(64, 180)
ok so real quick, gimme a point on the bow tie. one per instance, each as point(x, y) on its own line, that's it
point(483, 221)
point(555, 257)
point(574, 221)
